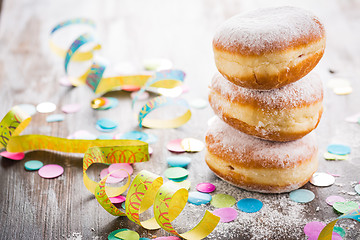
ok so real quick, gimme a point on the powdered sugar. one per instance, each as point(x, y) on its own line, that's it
point(305, 91)
point(268, 30)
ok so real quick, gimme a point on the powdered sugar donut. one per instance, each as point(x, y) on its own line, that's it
point(283, 114)
point(259, 165)
point(269, 48)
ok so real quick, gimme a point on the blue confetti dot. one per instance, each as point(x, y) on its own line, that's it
point(249, 205)
point(302, 196)
point(198, 198)
point(178, 161)
point(135, 135)
point(55, 118)
point(33, 165)
point(106, 124)
point(338, 149)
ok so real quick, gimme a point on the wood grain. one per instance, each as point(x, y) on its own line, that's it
point(62, 208)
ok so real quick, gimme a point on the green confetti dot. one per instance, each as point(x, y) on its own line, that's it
point(176, 173)
point(344, 207)
point(222, 200)
point(128, 235)
point(113, 233)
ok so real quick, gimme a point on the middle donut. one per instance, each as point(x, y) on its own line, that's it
point(284, 114)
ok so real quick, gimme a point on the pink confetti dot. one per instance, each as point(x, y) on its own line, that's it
point(110, 179)
point(71, 108)
point(13, 156)
point(51, 171)
point(205, 187)
point(117, 199)
point(313, 230)
point(333, 199)
point(125, 167)
point(226, 214)
point(175, 146)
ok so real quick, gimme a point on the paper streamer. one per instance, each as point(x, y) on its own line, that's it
point(327, 232)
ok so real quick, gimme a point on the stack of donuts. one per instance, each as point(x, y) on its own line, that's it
point(266, 99)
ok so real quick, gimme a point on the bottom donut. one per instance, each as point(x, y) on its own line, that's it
point(259, 165)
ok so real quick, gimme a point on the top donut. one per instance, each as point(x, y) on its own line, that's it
point(269, 48)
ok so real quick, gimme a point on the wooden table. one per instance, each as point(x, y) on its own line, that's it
point(131, 31)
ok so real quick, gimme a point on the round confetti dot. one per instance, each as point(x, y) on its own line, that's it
point(321, 179)
point(46, 107)
point(179, 179)
point(249, 205)
point(198, 198)
point(313, 229)
point(357, 188)
point(117, 199)
point(111, 236)
point(333, 199)
point(71, 108)
point(28, 108)
point(13, 156)
point(51, 171)
point(205, 187)
point(130, 88)
point(340, 231)
point(339, 149)
point(183, 184)
point(302, 196)
point(55, 118)
point(198, 103)
point(135, 135)
point(82, 134)
point(192, 145)
point(106, 123)
point(127, 235)
point(175, 146)
point(33, 165)
point(125, 167)
point(176, 173)
point(333, 157)
point(110, 179)
point(222, 200)
point(344, 207)
point(178, 161)
point(226, 214)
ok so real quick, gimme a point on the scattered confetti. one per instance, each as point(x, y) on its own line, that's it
point(46, 107)
point(198, 103)
point(222, 200)
point(330, 156)
point(82, 134)
point(106, 124)
point(357, 188)
point(176, 173)
point(175, 146)
point(157, 64)
point(198, 198)
point(13, 156)
point(321, 179)
point(302, 196)
point(71, 108)
point(339, 149)
point(51, 171)
point(226, 214)
point(178, 161)
point(205, 187)
point(249, 205)
point(184, 184)
point(333, 199)
point(110, 179)
point(126, 167)
point(117, 199)
point(55, 118)
point(128, 235)
point(313, 229)
point(344, 207)
point(33, 165)
point(192, 145)
point(145, 95)
point(28, 108)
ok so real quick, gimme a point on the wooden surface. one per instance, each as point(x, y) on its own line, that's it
point(62, 208)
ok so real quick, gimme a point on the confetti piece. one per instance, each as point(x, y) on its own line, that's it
point(333, 199)
point(117, 199)
point(82, 134)
point(340, 231)
point(226, 214)
point(98, 102)
point(71, 108)
point(33, 165)
point(313, 229)
point(143, 96)
point(28, 108)
point(178, 161)
point(192, 145)
point(55, 118)
point(198, 198)
point(249, 205)
point(157, 64)
point(321, 179)
point(343, 90)
point(330, 156)
point(198, 103)
point(127, 169)
point(46, 107)
point(130, 88)
point(176, 173)
point(151, 139)
point(51, 171)
point(110, 179)
point(353, 118)
point(106, 124)
point(134, 135)
point(13, 155)
point(205, 187)
point(184, 184)
point(344, 207)
point(175, 146)
point(111, 236)
point(339, 149)
point(302, 196)
point(357, 188)
point(128, 235)
point(222, 200)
